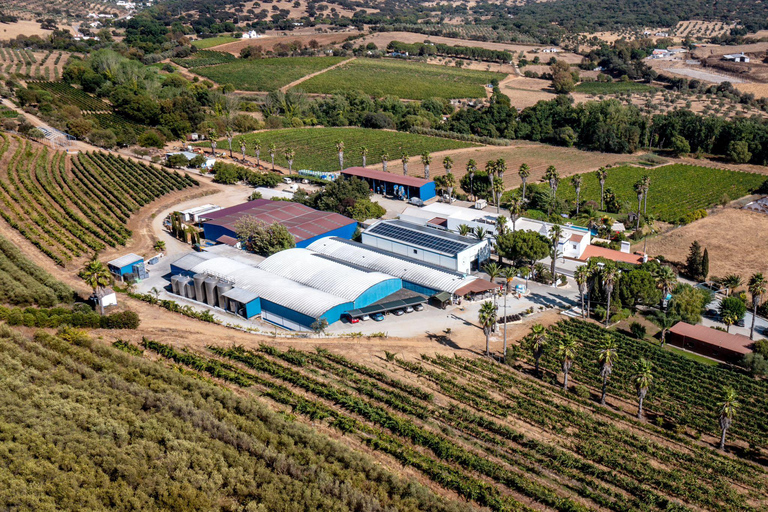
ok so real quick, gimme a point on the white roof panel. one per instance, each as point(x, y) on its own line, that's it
point(125, 260)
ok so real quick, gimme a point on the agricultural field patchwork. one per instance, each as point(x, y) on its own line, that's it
point(407, 80)
point(676, 189)
point(36, 65)
point(506, 441)
point(69, 207)
point(316, 147)
point(265, 74)
point(210, 42)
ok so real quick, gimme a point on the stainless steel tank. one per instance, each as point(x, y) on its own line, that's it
point(222, 288)
point(175, 284)
point(210, 290)
point(199, 279)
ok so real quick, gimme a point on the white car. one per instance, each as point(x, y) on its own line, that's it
point(408, 309)
point(365, 317)
point(419, 307)
point(398, 312)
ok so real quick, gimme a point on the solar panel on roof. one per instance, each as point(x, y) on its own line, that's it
point(425, 240)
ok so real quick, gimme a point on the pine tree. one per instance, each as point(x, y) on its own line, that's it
point(693, 263)
point(705, 265)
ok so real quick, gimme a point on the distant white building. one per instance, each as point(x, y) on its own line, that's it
point(127, 5)
point(251, 34)
point(736, 57)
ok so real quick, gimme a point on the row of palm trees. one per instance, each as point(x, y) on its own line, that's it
point(566, 350)
point(756, 287)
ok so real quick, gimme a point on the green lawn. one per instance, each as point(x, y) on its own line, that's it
point(675, 189)
point(210, 42)
point(409, 80)
point(690, 355)
point(266, 74)
point(316, 147)
point(613, 87)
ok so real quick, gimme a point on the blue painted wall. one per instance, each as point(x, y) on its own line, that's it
point(213, 232)
point(253, 308)
point(427, 191)
point(378, 292)
point(419, 289)
point(346, 232)
point(127, 269)
point(332, 315)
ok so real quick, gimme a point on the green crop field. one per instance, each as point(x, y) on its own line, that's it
point(204, 58)
point(316, 147)
point(266, 74)
point(613, 87)
point(409, 80)
point(210, 42)
point(676, 189)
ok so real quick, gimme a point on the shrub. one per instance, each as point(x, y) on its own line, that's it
point(123, 320)
point(638, 330)
point(151, 139)
point(581, 391)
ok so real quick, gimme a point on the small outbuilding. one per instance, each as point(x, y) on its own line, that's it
point(128, 264)
point(389, 184)
point(710, 342)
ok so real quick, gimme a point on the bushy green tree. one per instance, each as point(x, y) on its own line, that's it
point(262, 238)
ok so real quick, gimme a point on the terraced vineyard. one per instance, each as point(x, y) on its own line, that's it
point(316, 147)
point(264, 74)
point(492, 434)
point(408, 80)
point(69, 207)
point(676, 189)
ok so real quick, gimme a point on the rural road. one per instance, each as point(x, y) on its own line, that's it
point(311, 75)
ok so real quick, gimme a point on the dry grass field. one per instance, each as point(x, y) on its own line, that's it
point(23, 28)
point(735, 240)
point(525, 92)
point(268, 42)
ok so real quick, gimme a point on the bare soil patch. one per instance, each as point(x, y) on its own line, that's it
point(735, 240)
point(23, 28)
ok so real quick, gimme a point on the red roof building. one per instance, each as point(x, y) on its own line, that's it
point(391, 184)
point(710, 342)
point(595, 251)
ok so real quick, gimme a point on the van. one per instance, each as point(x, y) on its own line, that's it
point(287, 180)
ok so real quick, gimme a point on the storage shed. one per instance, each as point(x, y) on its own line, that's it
point(389, 184)
point(128, 264)
point(710, 342)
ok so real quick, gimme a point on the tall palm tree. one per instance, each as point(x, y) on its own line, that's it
point(537, 343)
point(289, 154)
point(665, 279)
point(515, 211)
point(555, 232)
point(498, 191)
point(642, 381)
point(426, 159)
point(501, 225)
point(384, 161)
point(665, 321)
point(609, 279)
point(257, 150)
point(272, 149)
point(494, 271)
point(524, 172)
point(639, 191)
point(364, 154)
point(756, 289)
point(602, 175)
point(581, 275)
point(566, 352)
point(405, 159)
point(729, 319)
point(242, 148)
point(646, 186)
point(97, 276)
point(731, 282)
point(450, 181)
point(211, 134)
point(727, 411)
point(509, 274)
point(448, 164)
point(340, 150)
point(480, 233)
point(230, 135)
point(553, 178)
point(487, 318)
point(471, 169)
point(606, 358)
point(465, 230)
point(576, 182)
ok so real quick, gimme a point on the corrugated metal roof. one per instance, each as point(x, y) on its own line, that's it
point(240, 295)
point(405, 268)
point(122, 261)
point(363, 172)
point(311, 269)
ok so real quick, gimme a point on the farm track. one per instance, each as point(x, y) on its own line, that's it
point(311, 75)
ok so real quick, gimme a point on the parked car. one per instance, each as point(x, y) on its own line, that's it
point(408, 309)
point(349, 319)
point(365, 317)
point(416, 201)
point(378, 317)
point(419, 307)
point(398, 312)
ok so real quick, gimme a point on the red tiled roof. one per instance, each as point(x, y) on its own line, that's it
point(302, 221)
point(726, 341)
point(610, 254)
point(576, 238)
point(227, 240)
point(438, 221)
point(362, 172)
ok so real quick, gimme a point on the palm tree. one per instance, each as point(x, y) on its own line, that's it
point(509, 274)
point(494, 271)
point(538, 342)
point(242, 148)
point(230, 135)
point(448, 164)
point(257, 150)
point(576, 182)
point(606, 358)
point(450, 181)
point(465, 230)
point(665, 279)
point(729, 319)
point(665, 321)
point(642, 381)
point(524, 173)
point(426, 159)
point(553, 178)
point(471, 168)
point(159, 246)
point(340, 149)
point(609, 279)
point(272, 149)
point(364, 154)
point(384, 161)
point(601, 174)
point(566, 352)
point(639, 191)
point(501, 225)
point(756, 289)
point(498, 191)
point(405, 159)
point(97, 276)
point(487, 318)
point(731, 282)
point(515, 211)
point(289, 154)
point(646, 186)
point(554, 237)
point(480, 232)
point(581, 275)
point(727, 411)
point(524, 273)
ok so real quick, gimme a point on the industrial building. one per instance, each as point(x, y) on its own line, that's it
point(292, 289)
point(388, 184)
point(429, 245)
point(304, 223)
point(128, 266)
point(196, 213)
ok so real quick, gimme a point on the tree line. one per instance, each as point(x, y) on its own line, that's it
point(467, 52)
